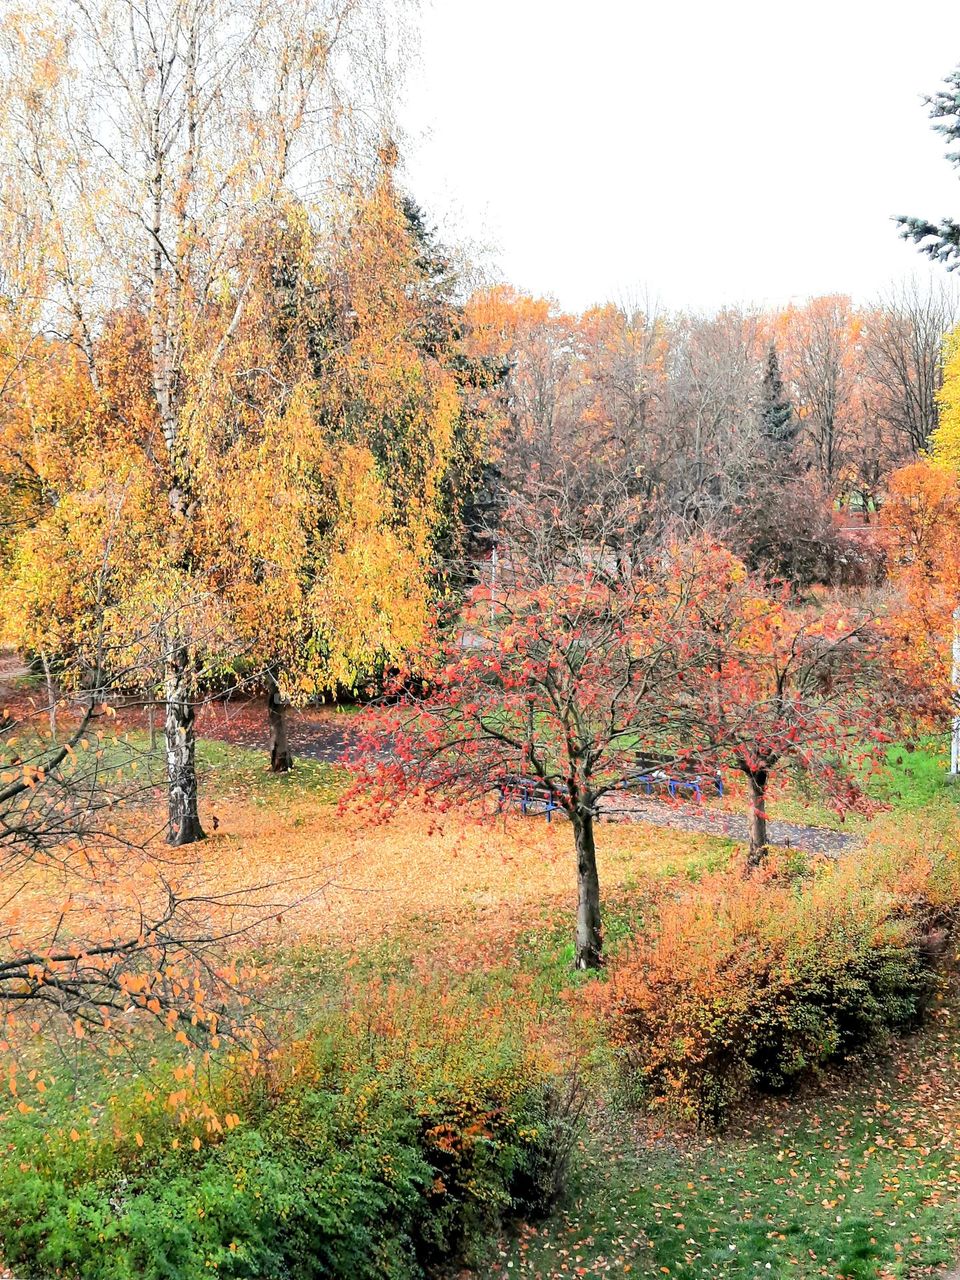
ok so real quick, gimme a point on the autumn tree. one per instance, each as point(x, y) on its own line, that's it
point(319, 575)
point(780, 684)
point(905, 363)
point(624, 353)
point(555, 682)
point(921, 523)
point(118, 930)
point(339, 483)
point(712, 418)
point(169, 136)
point(536, 343)
point(823, 361)
point(945, 439)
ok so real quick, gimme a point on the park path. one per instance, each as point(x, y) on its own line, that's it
point(11, 668)
point(717, 822)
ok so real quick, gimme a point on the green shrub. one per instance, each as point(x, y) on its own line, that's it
point(393, 1137)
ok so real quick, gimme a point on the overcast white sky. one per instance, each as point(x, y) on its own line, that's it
point(702, 151)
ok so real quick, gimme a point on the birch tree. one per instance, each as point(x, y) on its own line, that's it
point(156, 143)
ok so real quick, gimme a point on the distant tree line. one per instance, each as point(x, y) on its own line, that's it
point(771, 429)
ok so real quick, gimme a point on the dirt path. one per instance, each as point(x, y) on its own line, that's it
point(11, 669)
point(317, 733)
point(717, 822)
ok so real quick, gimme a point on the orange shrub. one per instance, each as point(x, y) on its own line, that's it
point(755, 982)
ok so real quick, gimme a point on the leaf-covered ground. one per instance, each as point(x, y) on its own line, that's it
point(356, 882)
point(851, 1180)
point(859, 1182)
point(308, 872)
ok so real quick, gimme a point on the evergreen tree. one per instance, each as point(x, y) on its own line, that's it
point(940, 241)
point(473, 488)
point(778, 423)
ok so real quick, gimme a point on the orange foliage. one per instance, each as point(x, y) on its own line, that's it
point(921, 524)
point(332, 876)
point(757, 981)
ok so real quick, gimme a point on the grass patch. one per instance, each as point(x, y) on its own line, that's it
point(244, 770)
point(917, 776)
point(913, 777)
point(223, 767)
point(535, 963)
point(857, 1182)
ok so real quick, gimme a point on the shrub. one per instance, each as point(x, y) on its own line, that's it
point(754, 983)
point(792, 533)
point(393, 1136)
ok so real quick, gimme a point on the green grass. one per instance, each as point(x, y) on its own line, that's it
point(918, 777)
point(538, 965)
point(224, 767)
point(913, 777)
point(851, 1182)
point(28, 681)
point(243, 769)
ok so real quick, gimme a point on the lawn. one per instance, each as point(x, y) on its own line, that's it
point(337, 876)
point(912, 777)
point(850, 1180)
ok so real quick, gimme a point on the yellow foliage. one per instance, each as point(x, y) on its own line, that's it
point(945, 440)
point(316, 448)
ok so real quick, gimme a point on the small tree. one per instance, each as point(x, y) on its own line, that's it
point(554, 681)
point(781, 683)
point(788, 531)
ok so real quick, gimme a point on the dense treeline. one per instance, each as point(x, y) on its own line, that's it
point(775, 430)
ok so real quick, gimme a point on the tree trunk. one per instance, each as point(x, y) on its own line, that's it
point(589, 951)
point(181, 742)
point(51, 695)
point(758, 817)
point(281, 757)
